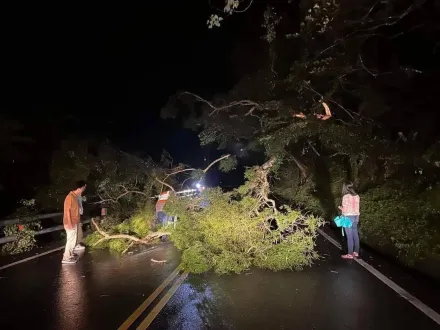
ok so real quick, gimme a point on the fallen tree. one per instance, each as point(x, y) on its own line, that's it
point(224, 232)
point(120, 235)
point(242, 229)
point(146, 240)
point(378, 129)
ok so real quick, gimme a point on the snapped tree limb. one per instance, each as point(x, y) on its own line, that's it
point(146, 240)
point(259, 187)
point(194, 169)
point(301, 167)
point(268, 105)
point(190, 170)
point(116, 199)
point(215, 161)
point(216, 109)
point(166, 184)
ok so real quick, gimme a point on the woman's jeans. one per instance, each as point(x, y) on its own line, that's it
point(353, 234)
point(163, 218)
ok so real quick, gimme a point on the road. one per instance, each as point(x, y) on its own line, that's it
point(102, 291)
point(98, 292)
point(333, 294)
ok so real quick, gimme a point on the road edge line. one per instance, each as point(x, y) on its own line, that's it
point(147, 302)
point(161, 304)
point(31, 258)
point(52, 251)
point(428, 311)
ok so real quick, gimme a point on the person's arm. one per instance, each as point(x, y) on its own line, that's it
point(328, 113)
point(67, 214)
point(81, 209)
point(344, 206)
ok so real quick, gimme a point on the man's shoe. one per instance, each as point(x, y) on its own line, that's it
point(69, 261)
point(79, 247)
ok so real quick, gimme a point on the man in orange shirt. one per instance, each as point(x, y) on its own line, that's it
point(71, 220)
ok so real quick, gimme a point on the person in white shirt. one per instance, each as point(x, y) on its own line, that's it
point(79, 244)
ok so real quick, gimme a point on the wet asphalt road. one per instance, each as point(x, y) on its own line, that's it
point(333, 294)
point(99, 292)
point(102, 290)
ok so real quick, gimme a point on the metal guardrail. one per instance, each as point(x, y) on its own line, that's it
point(24, 220)
point(28, 219)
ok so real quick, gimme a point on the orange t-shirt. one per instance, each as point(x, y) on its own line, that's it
point(71, 206)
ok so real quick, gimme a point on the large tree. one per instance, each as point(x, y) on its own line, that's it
point(352, 106)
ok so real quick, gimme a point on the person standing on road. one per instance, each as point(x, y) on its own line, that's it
point(161, 216)
point(71, 221)
point(350, 209)
point(79, 235)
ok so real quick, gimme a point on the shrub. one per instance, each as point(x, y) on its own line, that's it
point(406, 220)
point(25, 240)
point(402, 219)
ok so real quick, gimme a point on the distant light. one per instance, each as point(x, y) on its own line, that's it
point(198, 185)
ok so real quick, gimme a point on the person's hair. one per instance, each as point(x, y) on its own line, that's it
point(79, 184)
point(347, 188)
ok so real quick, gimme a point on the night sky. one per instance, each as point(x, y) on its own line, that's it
point(106, 71)
point(111, 69)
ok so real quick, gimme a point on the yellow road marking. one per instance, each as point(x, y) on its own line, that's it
point(161, 304)
point(133, 317)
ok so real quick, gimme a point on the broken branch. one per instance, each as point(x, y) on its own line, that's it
point(301, 167)
point(128, 247)
point(166, 184)
point(215, 161)
point(115, 199)
point(146, 240)
point(215, 109)
point(179, 171)
point(190, 169)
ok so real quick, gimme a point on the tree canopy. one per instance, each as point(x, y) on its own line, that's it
point(378, 130)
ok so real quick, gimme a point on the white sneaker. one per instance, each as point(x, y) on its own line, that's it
point(79, 247)
point(70, 260)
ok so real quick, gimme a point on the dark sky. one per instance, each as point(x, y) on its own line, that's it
point(107, 70)
point(111, 68)
point(118, 54)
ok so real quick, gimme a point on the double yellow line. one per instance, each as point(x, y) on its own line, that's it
point(161, 304)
